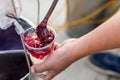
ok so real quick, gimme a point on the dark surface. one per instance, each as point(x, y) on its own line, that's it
point(106, 61)
point(9, 39)
point(13, 66)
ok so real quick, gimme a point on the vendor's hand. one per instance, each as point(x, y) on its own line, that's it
point(58, 61)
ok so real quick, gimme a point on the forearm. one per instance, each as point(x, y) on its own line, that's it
point(106, 36)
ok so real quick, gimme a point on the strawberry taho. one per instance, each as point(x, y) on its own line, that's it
point(36, 48)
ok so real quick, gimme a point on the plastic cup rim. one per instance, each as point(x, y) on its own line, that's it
point(32, 48)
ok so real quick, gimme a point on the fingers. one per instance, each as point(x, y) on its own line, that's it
point(57, 45)
point(41, 76)
point(48, 76)
point(39, 68)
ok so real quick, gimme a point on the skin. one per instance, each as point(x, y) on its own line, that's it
point(106, 36)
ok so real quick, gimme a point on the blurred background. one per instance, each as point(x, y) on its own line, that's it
point(74, 18)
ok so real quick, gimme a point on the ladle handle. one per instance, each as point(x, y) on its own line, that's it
point(50, 11)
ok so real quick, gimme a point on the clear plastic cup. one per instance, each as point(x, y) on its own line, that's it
point(37, 55)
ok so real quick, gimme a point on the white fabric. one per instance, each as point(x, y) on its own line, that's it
point(6, 7)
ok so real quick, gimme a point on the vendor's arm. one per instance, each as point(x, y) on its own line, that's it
point(105, 36)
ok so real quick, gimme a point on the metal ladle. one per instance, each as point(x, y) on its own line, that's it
point(41, 30)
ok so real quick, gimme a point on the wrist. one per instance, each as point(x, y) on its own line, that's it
point(77, 50)
point(82, 47)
